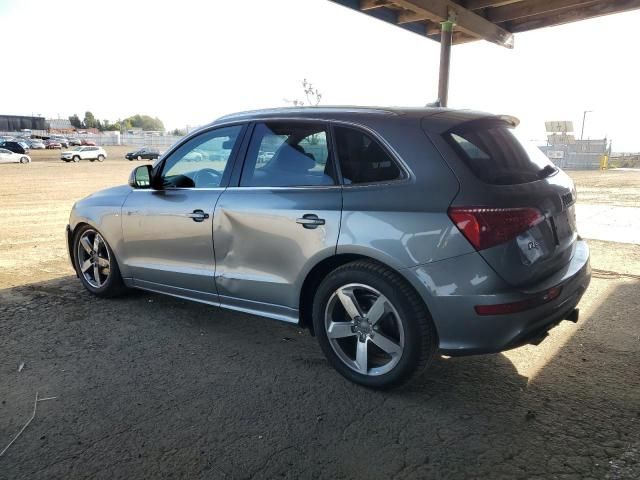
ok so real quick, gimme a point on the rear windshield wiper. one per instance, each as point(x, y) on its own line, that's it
point(547, 171)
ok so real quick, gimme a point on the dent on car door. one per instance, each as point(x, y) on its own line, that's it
point(168, 229)
point(282, 218)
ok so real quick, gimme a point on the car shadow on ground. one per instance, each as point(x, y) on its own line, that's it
point(151, 386)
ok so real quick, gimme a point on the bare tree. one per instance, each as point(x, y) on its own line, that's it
point(311, 93)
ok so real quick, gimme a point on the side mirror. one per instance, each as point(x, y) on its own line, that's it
point(140, 177)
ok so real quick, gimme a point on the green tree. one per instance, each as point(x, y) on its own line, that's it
point(75, 121)
point(145, 122)
point(89, 120)
point(111, 127)
point(178, 132)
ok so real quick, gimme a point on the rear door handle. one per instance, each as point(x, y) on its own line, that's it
point(197, 215)
point(310, 220)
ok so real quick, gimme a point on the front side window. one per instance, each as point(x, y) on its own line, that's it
point(283, 154)
point(202, 161)
point(362, 159)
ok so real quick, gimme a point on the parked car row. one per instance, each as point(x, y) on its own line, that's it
point(62, 142)
point(83, 150)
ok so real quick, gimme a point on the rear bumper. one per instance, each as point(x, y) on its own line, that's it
point(462, 331)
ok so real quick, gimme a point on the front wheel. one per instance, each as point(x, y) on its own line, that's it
point(372, 326)
point(96, 263)
point(76, 158)
point(24, 160)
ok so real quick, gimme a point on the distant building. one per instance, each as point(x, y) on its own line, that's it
point(60, 125)
point(17, 123)
point(565, 151)
point(580, 154)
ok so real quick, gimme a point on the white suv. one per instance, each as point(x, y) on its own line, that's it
point(84, 153)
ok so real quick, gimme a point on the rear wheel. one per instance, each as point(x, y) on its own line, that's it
point(372, 326)
point(76, 158)
point(101, 158)
point(96, 263)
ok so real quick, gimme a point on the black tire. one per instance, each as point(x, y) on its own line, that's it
point(76, 158)
point(101, 158)
point(420, 338)
point(113, 286)
point(24, 160)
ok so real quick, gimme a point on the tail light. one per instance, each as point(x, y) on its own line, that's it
point(487, 227)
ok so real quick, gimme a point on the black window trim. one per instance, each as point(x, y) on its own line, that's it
point(383, 144)
point(237, 177)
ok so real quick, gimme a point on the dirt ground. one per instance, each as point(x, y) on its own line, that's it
point(148, 386)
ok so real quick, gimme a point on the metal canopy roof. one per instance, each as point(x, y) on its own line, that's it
point(493, 20)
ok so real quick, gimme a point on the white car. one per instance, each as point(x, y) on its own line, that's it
point(84, 153)
point(7, 156)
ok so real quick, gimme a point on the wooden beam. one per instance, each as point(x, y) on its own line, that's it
point(371, 4)
point(434, 28)
point(480, 4)
point(407, 16)
point(602, 7)
point(465, 20)
point(528, 8)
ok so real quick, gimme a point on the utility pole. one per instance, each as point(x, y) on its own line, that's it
point(584, 116)
point(446, 39)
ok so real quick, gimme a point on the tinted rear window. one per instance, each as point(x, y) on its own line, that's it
point(496, 156)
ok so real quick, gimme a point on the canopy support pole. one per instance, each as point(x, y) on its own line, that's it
point(446, 38)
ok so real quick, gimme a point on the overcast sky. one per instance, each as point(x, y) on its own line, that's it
point(191, 61)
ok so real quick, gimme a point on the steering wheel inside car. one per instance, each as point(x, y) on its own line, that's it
point(207, 177)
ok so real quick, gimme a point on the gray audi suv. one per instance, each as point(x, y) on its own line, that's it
point(391, 234)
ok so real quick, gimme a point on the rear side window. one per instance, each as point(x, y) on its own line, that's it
point(496, 156)
point(283, 154)
point(362, 159)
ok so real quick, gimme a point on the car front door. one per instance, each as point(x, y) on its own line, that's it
point(168, 229)
point(281, 217)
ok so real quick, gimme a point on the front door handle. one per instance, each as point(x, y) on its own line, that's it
point(198, 215)
point(310, 220)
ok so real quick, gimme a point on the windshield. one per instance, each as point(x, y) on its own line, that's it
point(495, 154)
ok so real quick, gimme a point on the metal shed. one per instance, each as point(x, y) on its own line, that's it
point(453, 22)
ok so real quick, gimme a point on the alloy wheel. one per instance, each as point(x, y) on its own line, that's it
point(94, 260)
point(364, 329)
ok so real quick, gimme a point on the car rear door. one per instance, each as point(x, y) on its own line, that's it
point(168, 229)
point(281, 217)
